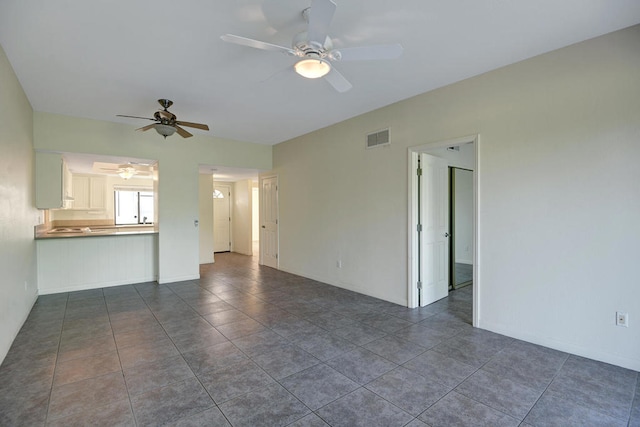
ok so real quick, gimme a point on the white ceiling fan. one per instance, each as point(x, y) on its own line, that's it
point(126, 170)
point(315, 50)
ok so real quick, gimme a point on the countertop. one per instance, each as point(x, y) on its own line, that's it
point(92, 231)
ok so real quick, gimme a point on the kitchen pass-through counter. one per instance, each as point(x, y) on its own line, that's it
point(76, 258)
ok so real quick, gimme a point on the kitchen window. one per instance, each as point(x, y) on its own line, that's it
point(133, 207)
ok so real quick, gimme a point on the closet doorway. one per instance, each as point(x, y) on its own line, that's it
point(461, 227)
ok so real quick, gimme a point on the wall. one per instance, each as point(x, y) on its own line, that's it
point(205, 215)
point(463, 203)
point(558, 196)
point(18, 285)
point(255, 213)
point(178, 160)
point(242, 213)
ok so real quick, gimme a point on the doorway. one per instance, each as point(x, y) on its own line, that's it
point(461, 227)
point(221, 218)
point(422, 251)
point(269, 227)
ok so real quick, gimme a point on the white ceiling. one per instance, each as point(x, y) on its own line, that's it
point(96, 59)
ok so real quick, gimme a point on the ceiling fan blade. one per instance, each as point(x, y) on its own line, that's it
point(365, 53)
point(338, 81)
point(135, 117)
point(193, 125)
point(320, 16)
point(183, 133)
point(243, 41)
point(142, 129)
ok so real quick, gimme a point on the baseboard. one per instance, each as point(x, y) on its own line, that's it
point(110, 284)
point(25, 316)
point(165, 280)
point(602, 356)
point(345, 286)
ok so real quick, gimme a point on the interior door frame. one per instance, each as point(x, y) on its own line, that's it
point(229, 197)
point(412, 241)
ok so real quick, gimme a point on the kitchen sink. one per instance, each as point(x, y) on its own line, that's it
point(69, 230)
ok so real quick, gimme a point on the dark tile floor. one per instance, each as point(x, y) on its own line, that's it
point(251, 346)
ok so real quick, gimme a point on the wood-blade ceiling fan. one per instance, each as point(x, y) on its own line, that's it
point(166, 123)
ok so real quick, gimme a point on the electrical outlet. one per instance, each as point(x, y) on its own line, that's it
point(622, 319)
point(339, 264)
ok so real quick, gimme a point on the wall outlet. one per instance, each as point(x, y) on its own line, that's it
point(338, 264)
point(622, 319)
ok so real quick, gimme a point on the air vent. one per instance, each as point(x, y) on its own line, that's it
point(378, 139)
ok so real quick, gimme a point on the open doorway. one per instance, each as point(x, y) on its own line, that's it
point(228, 211)
point(430, 234)
point(461, 227)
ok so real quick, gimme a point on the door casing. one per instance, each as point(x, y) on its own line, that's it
point(222, 227)
point(412, 241)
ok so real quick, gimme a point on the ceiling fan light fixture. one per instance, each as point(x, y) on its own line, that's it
point(165, 130)
point(127, 173)
point(312, 68)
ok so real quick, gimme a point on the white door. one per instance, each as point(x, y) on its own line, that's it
point(434, 217)
point(222, 218)
point(269, 221)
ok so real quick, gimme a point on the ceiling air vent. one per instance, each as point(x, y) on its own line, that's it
point(378, 139)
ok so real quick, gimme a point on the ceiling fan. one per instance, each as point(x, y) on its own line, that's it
point(126, 170)
point(166, 123)
point(315, 48)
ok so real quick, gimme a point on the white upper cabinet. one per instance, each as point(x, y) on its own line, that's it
point(89, 192)
point(52, 183)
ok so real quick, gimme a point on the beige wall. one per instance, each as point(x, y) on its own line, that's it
point(178, 180)
point(558, 196)
point(242, 213)
point(18, 284)
point(206, 218)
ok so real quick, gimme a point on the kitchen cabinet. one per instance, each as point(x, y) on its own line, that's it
point(89, 191)
point(53, 181)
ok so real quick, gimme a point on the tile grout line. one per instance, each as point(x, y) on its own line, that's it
point(55, 366)
point(135, 419)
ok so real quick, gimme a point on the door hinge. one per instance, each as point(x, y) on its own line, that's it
point(276, 256)
point(419, 228)
point(419, 285)
point(419, 171)
point(276, 222)
point(229, 219)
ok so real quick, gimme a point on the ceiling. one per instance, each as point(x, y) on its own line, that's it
point(98, 59)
